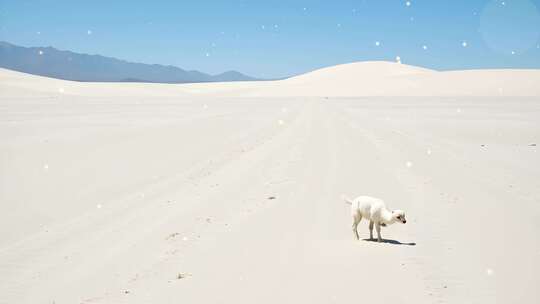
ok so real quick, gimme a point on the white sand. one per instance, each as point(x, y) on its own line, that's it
point(109, 191)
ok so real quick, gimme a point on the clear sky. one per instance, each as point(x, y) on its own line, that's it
point(282, 38)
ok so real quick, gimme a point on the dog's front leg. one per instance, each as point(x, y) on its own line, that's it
point(371, 230)
point(378, 227)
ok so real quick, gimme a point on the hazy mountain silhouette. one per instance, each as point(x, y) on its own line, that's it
point(50, 62)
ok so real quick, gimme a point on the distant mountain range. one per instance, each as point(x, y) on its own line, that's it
point(50, 62)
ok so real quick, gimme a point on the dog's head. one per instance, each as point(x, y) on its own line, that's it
point(399, 216)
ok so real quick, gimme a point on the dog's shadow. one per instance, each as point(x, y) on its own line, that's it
point(388, 241)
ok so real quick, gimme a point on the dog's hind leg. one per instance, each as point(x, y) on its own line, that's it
point(371, 230)
point(356, 219)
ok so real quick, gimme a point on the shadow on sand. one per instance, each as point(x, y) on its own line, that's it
point(393, 242)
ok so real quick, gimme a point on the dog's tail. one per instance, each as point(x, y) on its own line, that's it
point(346, 199)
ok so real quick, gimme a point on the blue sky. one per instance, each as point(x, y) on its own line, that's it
point(283, 38)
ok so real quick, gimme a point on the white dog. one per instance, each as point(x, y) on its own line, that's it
point(374, 210)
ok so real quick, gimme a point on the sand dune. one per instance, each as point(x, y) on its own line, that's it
point(346, 80)
point(230, 193)
point(393, 79)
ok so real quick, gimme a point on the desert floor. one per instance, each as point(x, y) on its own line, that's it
point(238, 200)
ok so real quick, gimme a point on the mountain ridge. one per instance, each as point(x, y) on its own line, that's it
point(67, 65)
